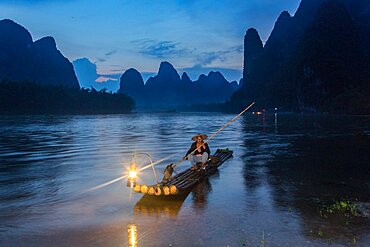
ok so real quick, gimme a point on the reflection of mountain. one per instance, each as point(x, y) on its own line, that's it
point(21, 59)
point(309, 170)
point(168, 89)
point(316, 60)
point(26, 184)
point(316, 177)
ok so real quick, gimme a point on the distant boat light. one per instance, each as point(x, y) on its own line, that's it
point(257, 113)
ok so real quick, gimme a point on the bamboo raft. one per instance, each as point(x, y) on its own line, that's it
point(183, 182)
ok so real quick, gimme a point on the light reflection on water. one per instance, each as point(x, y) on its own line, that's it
point(132, 235)
point(283, 169)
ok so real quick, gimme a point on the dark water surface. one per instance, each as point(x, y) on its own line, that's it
point(284, 170)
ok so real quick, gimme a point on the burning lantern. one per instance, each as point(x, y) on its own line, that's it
point(132, 175)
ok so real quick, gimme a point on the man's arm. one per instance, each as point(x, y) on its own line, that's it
point(191, 149)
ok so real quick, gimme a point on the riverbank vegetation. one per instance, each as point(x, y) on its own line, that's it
point(24, 97)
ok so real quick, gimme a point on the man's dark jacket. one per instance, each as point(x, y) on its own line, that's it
point(202, 150)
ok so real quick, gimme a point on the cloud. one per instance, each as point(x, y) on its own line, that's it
point(207, 58)
point(110, 53)
point(105, 79)
point(169, 50)
point(116, 70)
point(161, 49)
point(100, 59)
point(105, 57)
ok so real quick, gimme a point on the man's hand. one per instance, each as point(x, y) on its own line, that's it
point(185, 158)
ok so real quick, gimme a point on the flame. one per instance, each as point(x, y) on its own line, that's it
point(132, 174)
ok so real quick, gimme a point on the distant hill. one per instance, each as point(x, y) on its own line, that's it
point(87, 76)
point(317, 60)
point(167, 89)
point(21, 59)
point(35, 78)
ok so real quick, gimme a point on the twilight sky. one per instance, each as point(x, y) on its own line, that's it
point(194, 35)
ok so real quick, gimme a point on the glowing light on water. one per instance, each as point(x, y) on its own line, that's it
point(106, 184)
point(132, 235)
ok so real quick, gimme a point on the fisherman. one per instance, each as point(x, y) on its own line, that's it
point(199, 151)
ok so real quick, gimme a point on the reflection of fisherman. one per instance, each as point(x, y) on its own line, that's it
point(200, 193)
point(201, 153)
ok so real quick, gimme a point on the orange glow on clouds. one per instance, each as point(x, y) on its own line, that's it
point(105, 79)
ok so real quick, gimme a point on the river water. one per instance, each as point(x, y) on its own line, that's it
point(285, 169)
